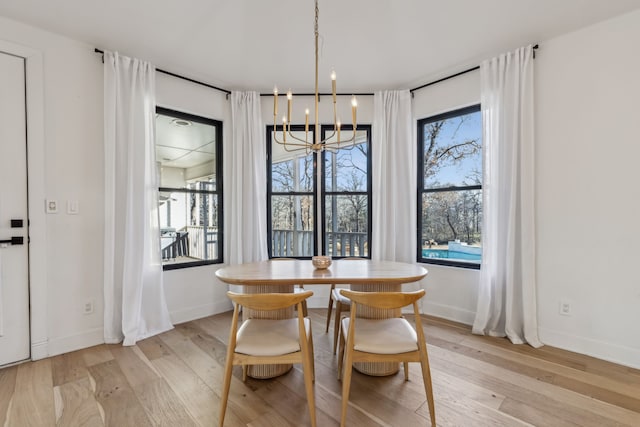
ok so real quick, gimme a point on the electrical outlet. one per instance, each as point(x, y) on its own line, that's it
point(88, 307)
point(51, 206)
point(565, 308)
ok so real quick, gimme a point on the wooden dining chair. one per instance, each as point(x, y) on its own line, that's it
point(342, 304)
point(268, 342)
point(383, 340)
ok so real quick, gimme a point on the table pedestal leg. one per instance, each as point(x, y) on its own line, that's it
point(267, 371)
point(377, 369)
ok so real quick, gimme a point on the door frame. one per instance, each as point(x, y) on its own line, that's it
point(34, 78)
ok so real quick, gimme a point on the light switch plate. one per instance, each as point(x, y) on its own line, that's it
point(73, 208)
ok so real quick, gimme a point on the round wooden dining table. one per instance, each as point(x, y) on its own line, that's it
point(361, 274)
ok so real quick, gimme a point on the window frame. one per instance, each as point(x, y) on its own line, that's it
point(422, 190)
point(218, 192)
point(271, 193)
point(319, 189)
point(368, 193)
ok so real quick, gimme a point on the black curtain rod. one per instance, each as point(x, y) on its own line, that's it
point(181, 77)
point(320, 94)
point(477, 67)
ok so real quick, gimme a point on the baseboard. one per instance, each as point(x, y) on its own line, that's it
point(448, 312)
point(75, 342)
point(39, 350)
point(198, 312)
point(615, 353)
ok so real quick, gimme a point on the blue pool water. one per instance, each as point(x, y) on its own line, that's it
point(443, 253)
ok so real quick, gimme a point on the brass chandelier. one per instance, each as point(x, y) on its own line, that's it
point(291, 142)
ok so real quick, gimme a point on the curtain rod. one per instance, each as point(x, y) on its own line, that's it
point(477, 67)
point(181, 77)
point(321, 94)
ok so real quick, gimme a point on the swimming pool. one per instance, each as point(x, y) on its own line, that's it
point(444, 253)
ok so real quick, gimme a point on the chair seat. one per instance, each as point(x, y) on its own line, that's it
point(382, 336)
point(265, 337)
point(337, 296)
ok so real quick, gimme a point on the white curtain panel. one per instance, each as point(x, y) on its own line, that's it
point(245, 183)
point(507, 290)
point(135, 305)
point(393, 157)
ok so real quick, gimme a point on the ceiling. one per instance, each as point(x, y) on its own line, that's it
point(256, 44)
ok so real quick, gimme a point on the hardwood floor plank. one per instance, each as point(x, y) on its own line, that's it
point(117, 399)
point(7, 389)
point(535, 416)
point(603, 388)
point(154, 348)
point(76, 405)
point(135, 366)
point(32, 403)
point(97, 354)
point(242, 401)
point(531, 375)
point(539, 395)
point(271, 419)
point(162, 405)
point(68, 367)
point(199, 400)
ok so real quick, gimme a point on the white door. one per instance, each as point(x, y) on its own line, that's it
point(14, 257)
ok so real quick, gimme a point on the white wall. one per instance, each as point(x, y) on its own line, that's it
point(588, 204)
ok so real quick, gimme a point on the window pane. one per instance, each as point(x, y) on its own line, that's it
point(346, 169)
point(290, 171)
point(185, 150)
point(189, 226)
point(453, 151)
point(451, 225)
point(292, 228)
point(346, 227)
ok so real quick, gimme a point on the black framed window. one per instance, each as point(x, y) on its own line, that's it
point(189, 156)
point(346, 195)
point(450, 188)
point(341, 194)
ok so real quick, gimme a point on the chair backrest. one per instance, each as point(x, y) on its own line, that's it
point(384, 300)
point(270, 301)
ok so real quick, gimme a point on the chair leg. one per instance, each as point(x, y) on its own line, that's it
point(340, 357)
point(245, 371)
point(336, 325)
point(304, 308)
point(329, 311)
point(428, 388)
point(406, 371)
point(225, 387)
point(346, 384)
point(311, 353)
point(307, 369)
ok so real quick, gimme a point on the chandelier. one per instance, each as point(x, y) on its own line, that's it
point(290, 141)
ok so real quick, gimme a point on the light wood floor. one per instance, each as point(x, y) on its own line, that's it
point(175, 379)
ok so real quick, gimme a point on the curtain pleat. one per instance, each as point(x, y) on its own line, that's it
point(507, 290)
point(246, 182)
point(394, 171)
point(135, 305)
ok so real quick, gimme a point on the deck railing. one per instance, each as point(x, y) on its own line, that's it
point(202, 245)
point(289, 243)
